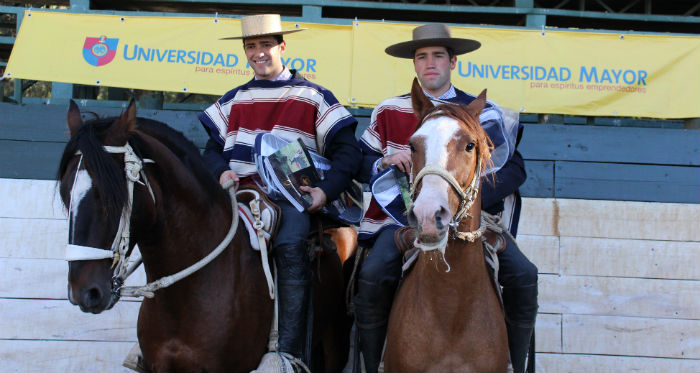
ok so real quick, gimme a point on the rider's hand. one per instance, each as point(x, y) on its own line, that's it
point(402, 160)
point(317, 195)
point(227, 176)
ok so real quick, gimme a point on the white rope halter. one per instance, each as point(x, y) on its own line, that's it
point(133, 167)
point(466, 200)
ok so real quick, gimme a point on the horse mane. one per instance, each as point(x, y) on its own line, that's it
point(460, 113)
point(108, 177)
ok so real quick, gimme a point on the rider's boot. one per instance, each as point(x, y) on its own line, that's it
point(293, 299)
point(293, 315)
point(372, 307)
point(520, 305)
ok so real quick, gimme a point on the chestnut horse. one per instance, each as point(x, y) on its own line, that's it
point(446, 316)
point(218, 318)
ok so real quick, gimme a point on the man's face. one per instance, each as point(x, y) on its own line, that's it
point(433, 66)
point(265, 56)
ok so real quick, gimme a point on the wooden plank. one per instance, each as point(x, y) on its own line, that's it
point(543, 251)
point(539, 217)
point(626, 219)
point(63, 356)
point(33, 238)
point(548, 333)
point(629, 258)
point(48, 122)
point(611, 144)
point(34, 122)
point(362, 124)
point(30, 199)
point(627, 182)
point(29, 160)
point(575, 363)
point(631, 336)
point(676, 299)
point(540, 179)
point(44, 279)
point(60, 320)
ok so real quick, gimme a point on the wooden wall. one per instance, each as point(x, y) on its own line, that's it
point(562, 160)
point(612, 222)
point(619, 287)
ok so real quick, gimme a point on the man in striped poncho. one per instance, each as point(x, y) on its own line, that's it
point(385, 143)
point(280, 101)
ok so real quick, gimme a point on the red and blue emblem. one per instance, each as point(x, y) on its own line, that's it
point(100, 51)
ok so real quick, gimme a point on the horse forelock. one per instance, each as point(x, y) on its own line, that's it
point(106, 175)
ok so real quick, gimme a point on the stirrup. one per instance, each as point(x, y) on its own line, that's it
point(134, 360)
point(280, 362)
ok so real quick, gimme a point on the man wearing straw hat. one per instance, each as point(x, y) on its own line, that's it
point(385, 143)
point(280, 101)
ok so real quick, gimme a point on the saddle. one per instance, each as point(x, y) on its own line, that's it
point(259, 214)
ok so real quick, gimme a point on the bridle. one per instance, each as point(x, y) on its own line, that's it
point(466, 196)
point(133, 167)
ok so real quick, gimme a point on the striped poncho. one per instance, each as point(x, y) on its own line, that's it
point(290, 109)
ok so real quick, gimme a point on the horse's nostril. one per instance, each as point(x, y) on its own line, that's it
point(441, 215)
point(92, 297)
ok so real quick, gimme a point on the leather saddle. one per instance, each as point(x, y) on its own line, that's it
point(253, 204)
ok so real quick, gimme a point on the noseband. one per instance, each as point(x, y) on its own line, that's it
point(466, 200)
point(133, 167)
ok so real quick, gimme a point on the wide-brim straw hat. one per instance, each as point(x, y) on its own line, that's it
point(262, 25)
point(432, 35)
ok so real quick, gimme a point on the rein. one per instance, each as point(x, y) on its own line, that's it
point(133, 167)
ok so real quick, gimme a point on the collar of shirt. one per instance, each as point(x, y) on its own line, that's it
point(450, 93)
point(284, 75)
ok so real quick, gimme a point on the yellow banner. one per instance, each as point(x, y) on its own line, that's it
point(577, 73)
point(564, 72)
point(177, 54)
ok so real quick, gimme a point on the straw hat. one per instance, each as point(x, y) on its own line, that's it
point(261, 25)
point(433, 35)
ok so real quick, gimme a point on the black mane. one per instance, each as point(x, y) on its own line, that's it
point(108, 177)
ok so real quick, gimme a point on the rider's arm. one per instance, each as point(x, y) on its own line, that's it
point(213, 158)
point(345, 157)
point(369, 166)
point(507, 180)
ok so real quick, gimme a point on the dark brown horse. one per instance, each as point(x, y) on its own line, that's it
point(446, 316)
point(217, 319)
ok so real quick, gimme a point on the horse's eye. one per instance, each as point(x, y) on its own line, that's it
point(413, 150)
point(469, 147)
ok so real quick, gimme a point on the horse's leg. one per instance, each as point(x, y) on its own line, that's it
point(331, 323)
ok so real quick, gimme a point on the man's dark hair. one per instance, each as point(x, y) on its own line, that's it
point(450, 52)
point(279, 38)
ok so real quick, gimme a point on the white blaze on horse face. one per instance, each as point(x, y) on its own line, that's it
point(436, 134)
point(82, 184)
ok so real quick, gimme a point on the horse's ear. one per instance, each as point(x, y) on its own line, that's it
point(75, 121)
point(420, 102)
point(475, 107)
point(120, 130)
point(129, 116)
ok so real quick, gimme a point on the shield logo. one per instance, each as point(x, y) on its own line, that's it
point(100, 51)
